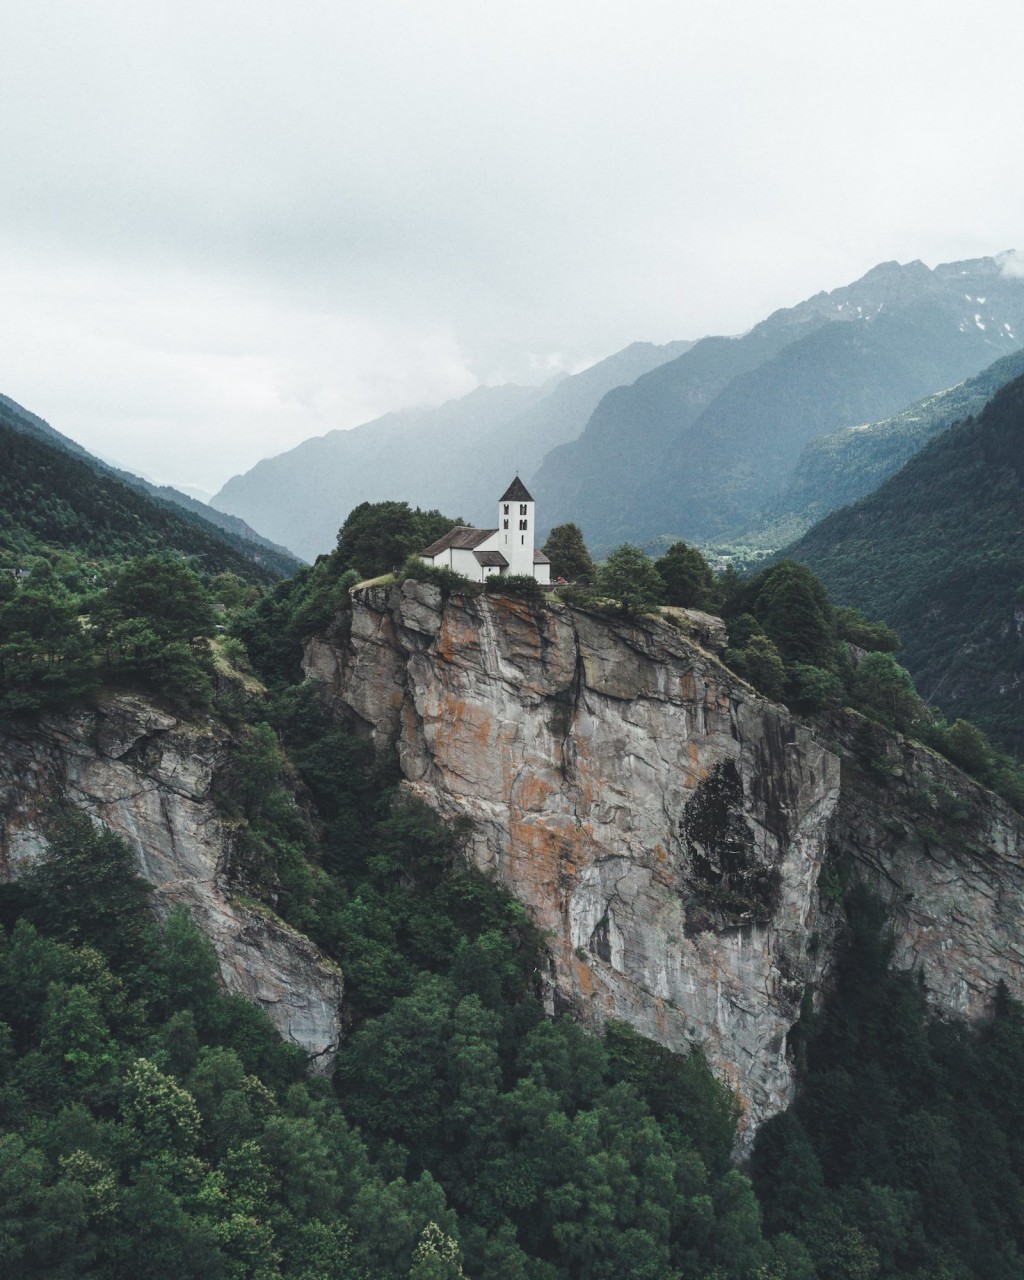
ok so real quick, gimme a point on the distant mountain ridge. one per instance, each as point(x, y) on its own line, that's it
point(938, 552)
point(450, 457)
point(700, 446)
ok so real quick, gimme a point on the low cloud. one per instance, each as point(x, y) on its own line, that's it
point(1012, 264)
point(191, 380)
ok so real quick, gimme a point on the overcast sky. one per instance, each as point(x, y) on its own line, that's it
point(228, 225)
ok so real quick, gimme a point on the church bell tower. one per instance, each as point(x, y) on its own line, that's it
point(515, 528)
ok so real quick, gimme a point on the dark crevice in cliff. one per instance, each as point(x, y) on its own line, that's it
point(567, 704)
point(730, 883)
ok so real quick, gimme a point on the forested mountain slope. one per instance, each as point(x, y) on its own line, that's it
point(646, 802)
point(456, 457)
point(836, 469)
point(938, 553)
point(699, 447)
point(262, 551)
point(54, 498)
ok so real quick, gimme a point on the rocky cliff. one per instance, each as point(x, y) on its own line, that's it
point(945, 854)
point(665, 825)
point(148, 777)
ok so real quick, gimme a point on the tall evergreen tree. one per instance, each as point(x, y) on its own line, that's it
point(688, 578)
point(568, 554)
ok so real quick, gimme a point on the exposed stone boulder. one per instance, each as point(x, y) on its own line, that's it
point(148, 776)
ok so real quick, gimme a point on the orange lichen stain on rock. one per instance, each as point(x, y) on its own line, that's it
point(463, 729)
point(687, 687)
point(695, 759)
point(520, 630)
point(543, 861)
point(410, 723)
point(455, 637)
point(536, 856)
point(519, 609)
point(582, 975)
point(716, 705)
point(533, 793)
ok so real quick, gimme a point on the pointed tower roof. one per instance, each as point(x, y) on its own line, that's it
point(516, 492)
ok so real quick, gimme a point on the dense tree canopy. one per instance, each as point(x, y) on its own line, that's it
point(568, 554)
point(688, 578)
point(53, 499)
point(629, 576)
point(899, 1158)
point(378, 536)
point(150, 1125)
point(936, 551)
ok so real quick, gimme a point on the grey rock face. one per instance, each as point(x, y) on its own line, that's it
point(584, 751)
point(148, 776)
point(944, 853)
point(665, 825)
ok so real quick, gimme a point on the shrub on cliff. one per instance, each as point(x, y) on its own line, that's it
point(688, 578)
point(515, 584)
point(46, 655)
point(568, 554)
point(450, 582)
point(378, 536)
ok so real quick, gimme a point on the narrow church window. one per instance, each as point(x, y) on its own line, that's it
point(505, 523)
point(506, 509)
point(522, 508)
point(522, 524)
point(523, 541)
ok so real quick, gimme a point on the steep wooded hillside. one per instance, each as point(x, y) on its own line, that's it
point(53, 498)
point(675, 849)
point(261, 550)
point(836, 469)
point(938, 553)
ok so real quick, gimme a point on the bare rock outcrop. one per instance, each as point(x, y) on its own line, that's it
point(148, 776)
point(945, 854)
point(666, 826)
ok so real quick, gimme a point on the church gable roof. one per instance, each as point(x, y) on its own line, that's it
point(461, 538)
point(516, 492)
point(491, 559)
point(540, 558)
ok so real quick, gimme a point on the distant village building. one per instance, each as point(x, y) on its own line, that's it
point(479, 554)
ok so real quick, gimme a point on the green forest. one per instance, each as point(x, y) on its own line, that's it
point(153, 1126)
point(54, 499)
point(938, 551)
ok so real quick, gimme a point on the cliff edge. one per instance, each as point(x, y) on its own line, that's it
point(148, 777)
point(665, 825)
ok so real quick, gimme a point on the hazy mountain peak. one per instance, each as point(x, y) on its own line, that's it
point(455, 457)
point(698, 447)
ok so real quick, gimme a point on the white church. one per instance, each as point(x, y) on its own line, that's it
point(479, 554)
